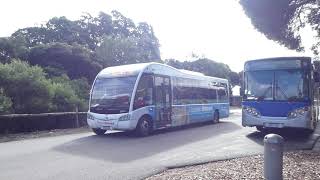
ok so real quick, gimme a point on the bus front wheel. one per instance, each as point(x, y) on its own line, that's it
point(98, 131)
point(260, 128)
point(144, 127)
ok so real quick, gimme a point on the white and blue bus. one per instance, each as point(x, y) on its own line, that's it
point(149, 96)
point(280, 92)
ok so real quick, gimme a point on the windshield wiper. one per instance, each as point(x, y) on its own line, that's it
point(295, 98)
point(263, 96)
point(281, 91)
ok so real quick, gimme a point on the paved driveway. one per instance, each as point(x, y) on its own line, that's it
point(121, 156)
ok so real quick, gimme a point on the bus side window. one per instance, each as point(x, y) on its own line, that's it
point(212, 95)
point(144, 92)
point(222, 95)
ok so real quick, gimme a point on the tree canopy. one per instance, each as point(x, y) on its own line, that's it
point(48, 68)
point(207, 67)
point(59, 58)
point(90, 31)
point(282, 20)
point(90, 43)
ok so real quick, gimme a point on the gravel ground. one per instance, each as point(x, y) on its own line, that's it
point(39, 134)
point(297, 165)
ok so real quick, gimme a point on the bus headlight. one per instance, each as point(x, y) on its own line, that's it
point(292, 114)
point(89, 116)
point(299, 111)
point(251, 111)
point(125, 118)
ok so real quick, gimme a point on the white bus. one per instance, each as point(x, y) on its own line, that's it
point(149, 96)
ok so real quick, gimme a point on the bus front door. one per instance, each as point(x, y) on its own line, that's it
point(163, 101)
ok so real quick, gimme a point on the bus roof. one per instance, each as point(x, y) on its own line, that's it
point(280, 58)
point(277, 63)
point(155, 68)
point(123, 70)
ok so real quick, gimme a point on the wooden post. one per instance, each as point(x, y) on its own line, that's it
point(77, 117)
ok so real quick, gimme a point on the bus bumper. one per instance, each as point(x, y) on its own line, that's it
point(111, 121)
point(277, 122)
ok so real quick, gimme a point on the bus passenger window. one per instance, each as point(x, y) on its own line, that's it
point(222, 95)
point(144, 92)
point(213, 95)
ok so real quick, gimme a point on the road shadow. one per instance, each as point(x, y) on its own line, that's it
point(295, 139)
point(125, 147)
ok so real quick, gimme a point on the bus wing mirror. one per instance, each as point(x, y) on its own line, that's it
point(241, 91)
point(316, 77)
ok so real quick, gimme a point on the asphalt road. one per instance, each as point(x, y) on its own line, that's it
point(122, 156)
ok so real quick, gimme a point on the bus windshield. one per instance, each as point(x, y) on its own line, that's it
point(112, 95)
point(285, 85)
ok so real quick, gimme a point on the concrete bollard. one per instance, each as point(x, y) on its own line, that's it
point(273, 157)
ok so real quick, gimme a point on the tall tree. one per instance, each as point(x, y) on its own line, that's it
point(122, 26)
point(282, 20)
point(90, 31)
point(12, 47)
point(148, 42)
point(207, 67)
point(76, 61)
point(121, 51)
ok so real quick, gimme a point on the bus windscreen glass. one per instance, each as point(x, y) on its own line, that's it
point(283, 85)
point(112, 95)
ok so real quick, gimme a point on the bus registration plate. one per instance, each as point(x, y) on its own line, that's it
point(273, 125)
point(106, 127)
point(105, 123)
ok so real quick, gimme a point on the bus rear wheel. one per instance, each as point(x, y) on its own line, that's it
point(144, 127)
point(98, 131)
point(216, 117)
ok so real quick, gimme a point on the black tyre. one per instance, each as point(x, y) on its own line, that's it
point(308, 131)
point(144, 127)
point(260, 128)
point(99, 132)
point(216, 117)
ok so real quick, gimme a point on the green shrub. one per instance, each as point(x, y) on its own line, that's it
point(26, 86)
point(63, 98)
point(70, 93)
point(27, 90)
point(5, 103)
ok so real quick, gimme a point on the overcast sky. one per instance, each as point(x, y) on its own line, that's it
point(218, 30)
